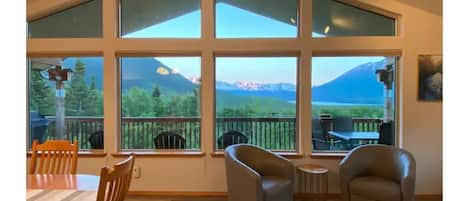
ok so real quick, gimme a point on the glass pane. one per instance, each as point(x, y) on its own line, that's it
point(160, 19)
point(253, 19)
point(82, 21)
point(160, 103)
point(352, 102)
point(254, 109)
point(71, 111)
point(333, 18)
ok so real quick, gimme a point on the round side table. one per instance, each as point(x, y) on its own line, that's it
point(312, 178)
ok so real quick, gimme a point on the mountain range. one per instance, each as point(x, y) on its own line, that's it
point(136, 72)
point(358, 85)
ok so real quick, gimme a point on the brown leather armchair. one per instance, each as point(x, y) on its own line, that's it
point(255, 174)
point(377, 172)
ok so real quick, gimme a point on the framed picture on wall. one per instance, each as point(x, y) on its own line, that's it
point(430, 86)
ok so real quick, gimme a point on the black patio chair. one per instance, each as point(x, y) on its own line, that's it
point(230, 138)
point(320, 139)
point(38, 126)
point(169, 140)
point(342, 123)
point(386, 131)
point(96, 140)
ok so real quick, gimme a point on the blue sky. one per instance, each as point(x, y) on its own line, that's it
point(232, 22)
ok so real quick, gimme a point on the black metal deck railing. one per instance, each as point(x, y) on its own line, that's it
point(139, 132)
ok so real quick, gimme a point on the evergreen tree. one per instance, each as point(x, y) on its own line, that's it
point(174, 106)
point(137, 103)
point(156, 92)
point(158, 104)
point(94, 105)
point(192, 104)
point(42, 95)
point(77, 94)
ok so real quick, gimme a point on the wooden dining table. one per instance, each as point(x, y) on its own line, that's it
point(67, 187)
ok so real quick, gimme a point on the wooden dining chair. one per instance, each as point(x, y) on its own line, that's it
point(114, 182)
point(55, 157)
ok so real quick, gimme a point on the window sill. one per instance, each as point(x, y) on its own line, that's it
point(284, 154)
point(91, 153)
point(160, 154)
point(328, 155)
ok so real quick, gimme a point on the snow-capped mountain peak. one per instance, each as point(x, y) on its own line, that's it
point(254, 86)
point(251, 86)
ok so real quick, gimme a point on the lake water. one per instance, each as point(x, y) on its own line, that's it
point(340, 104)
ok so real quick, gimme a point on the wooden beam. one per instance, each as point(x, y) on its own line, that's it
point(64, 47)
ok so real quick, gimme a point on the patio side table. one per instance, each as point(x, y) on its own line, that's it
point(312, 178)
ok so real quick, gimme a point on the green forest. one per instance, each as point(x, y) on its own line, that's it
point(85, 100)
point(81, 99)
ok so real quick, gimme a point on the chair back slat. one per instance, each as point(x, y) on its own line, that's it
point(63, 158)
point(41, 163)
point(59, 162)
point(47, 161)
point(55, 157)
point(52, 161)
point(114, 182)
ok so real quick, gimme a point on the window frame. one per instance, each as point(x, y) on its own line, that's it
point(298, 20)
point(84, 152)
point(295, 55)
point(397, 59)
point(368, 8)
point(119, 26)
point(57, 9)
point(158, 152)
point(110, 46)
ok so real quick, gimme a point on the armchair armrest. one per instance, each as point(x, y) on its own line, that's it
point(407, 188)
point(244, 183)
point(407, 179)
point(275, 165)
point(350, 167)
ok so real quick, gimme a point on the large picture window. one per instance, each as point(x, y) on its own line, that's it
point(352, 102)
point(256, 102)
point(332, 18)
point(160, 99)
point(160, 19)
point(82, 21)
point(66, 107)
point(251, 48)
point(254, 19)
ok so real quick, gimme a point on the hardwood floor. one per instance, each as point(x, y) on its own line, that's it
point(184, 198)
point(172, 198)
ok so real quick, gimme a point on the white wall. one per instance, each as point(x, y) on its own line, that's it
point(421, 124)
